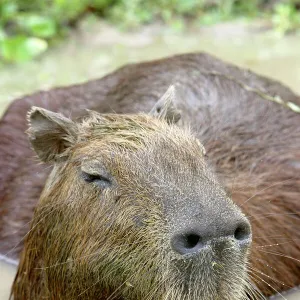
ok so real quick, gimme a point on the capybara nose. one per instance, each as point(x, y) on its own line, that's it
point(192, 241)
point(187, 242)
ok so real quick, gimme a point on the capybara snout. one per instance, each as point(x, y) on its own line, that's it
point(194, 238)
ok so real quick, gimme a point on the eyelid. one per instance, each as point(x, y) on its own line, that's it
point(94, 171)
point(88, 177)
point(96, 180)
point(95, 167)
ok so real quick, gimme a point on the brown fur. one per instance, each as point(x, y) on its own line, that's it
point(253, 144)
point(108, 236)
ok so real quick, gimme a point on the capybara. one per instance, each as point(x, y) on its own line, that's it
point(140, 206)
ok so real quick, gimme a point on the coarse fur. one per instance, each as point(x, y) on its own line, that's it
point(116, 239)
point(252, 144)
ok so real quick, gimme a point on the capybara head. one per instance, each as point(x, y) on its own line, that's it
point(131, 210)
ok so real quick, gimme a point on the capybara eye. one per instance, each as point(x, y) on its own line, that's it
point(97, 179)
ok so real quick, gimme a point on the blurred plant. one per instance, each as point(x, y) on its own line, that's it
point(28, 27)
point(24, 35)
point(286, 17)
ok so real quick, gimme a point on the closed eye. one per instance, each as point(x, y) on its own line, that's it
point(96, 179)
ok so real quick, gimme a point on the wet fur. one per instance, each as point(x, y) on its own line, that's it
point(252, 143)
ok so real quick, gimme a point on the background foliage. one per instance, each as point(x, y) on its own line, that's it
point(28, 27)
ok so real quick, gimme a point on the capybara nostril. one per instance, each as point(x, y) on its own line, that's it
point(242, 232)
point(192, 241)
point(187, 243)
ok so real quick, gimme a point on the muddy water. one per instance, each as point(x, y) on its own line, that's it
point(96, 49)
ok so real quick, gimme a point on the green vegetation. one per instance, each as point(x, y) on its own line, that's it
point(27, 27)
point(286, 17)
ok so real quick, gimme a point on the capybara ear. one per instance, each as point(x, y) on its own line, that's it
point(165, 107)
point(50, 134)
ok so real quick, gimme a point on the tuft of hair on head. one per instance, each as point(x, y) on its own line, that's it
point(165, 108)
point(50, 133)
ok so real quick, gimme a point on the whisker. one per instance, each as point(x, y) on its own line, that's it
point(28, 233)
point(268, 284)
point(68, 261)
point(115, 291)
point(280, 236)
point(262, 273)
point(252, 289)
point(261, 260)
point(89, 287)
point(266, 188)
point(272, 245)
point(255, 289)
point(280, 254)
point(274, 214)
